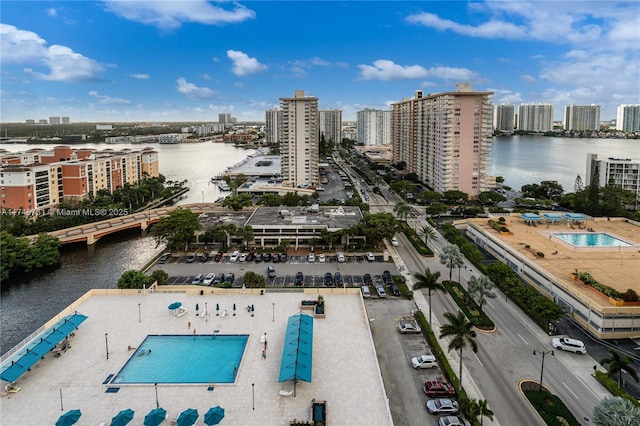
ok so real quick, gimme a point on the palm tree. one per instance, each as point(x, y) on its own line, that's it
point(402, 210)
point(617, 364)
point(461, 331)
point(480, 289)
point(616, 411)
point(428, 280)
point(451, 257)
point(484, 410)
point(428, 233)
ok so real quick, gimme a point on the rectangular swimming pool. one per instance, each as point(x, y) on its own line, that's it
point(185, 359)
point(591, 239)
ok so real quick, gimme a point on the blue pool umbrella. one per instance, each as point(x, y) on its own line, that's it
point(187, 417)
point(69, 418)
point(122, 418)
point(252, 309)
point(175, 305)
point(217, 308)
point(155, 417)
point(234, 309)
point(214, 415)
point(197, 307)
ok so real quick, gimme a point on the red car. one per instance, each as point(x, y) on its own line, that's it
point(437, 388)
point(217, 257)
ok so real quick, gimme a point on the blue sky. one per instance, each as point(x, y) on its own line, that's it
point(190, 60)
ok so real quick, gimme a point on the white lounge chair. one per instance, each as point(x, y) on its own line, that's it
point(182, 312)
point(285, 392)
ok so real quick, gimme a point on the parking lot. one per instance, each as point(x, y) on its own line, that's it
point(394, 350)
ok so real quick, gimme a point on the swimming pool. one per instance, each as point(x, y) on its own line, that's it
point(591, 239)
point(184, 359)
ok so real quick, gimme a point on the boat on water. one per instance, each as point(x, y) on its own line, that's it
point(223, 185)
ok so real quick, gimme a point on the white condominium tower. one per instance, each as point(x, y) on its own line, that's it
point(271, 126)
point(582, 117)
point(374, 127)
point(331, 126)
point(628, 118)
point(535, 117)
point(504, 118)
point(620, 172)
point(299, 132)
point(445, 138)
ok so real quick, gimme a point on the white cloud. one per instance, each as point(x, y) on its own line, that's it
point(384, 69)
point(29, 49)
point(243, 64)
point(52, 11)
point(140, 76)
point(528, 78)
point(194, 92)
point(107, 100)
point(490, 29)
point(502, 96)
point(449, 73)
point(169, 15)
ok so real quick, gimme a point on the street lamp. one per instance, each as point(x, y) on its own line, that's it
point(253, 396)
point(542, 367)
point(139, 315)
point(106, 344)
point(274, 312)
point(155, 385)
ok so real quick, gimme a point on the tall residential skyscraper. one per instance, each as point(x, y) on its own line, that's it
point(582, 117)
point(621, 172)
point(299, 132)
point(55, 120)
point(271, 125)
point(374, 127)
point(628, 118)
point(445, 138)
point(504, 118)
point(331, 125)
point(535, 117)
point(226, 119)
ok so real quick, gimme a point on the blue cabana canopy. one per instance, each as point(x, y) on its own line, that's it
point(35, 350)
point(298, 349)
point(530, 216)
point(575, 216)
point(553, 216)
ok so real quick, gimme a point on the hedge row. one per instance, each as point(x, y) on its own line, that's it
point(469, 306)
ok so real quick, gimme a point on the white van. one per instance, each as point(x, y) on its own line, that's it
point(366, 291)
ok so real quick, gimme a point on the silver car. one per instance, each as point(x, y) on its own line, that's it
point(442, 406)
point(408, 327)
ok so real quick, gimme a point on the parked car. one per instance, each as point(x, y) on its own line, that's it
point(191, 258)
point(234, 256)
point(328, 279)
point(218, 257)
point(321, 258)
point(337, 278)
point(367, 279)
point(381, 293)
point(197, 279)
point(568, 344)
point(442, 406)
point(394, 242)
point(395, 290)
point(266, 257)
point(204, 257)
point(164, 257)
point(250, 256)
point(299, 279)
point(435, 388)
point(271, 271)
point(242, 257)
point(370, 257)
point(275, 258)
point(386, 278)
point(258, 258)
point(209, 278)
point(283, 257)
point(406, 327)
point(219, 278)
point(230, 278)
point(451, 421)
point(424, 361)
point(340, 257)
point(311, 258)
point(366, 291)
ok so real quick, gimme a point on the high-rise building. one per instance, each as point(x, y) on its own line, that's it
point(271, 126)
point(628, 118)
point(331, 126)
point(504, 118)
point(298, 133)
point(623, 173)
point(227, 119)
point(445, 138)
point(66, 120)
point(55, 120)
point(582, 117)
point(535, 117)
point(374, 127)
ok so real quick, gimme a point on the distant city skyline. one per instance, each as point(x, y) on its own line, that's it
point(121, 61)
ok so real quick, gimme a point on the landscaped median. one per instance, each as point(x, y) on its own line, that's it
point(470, 308)
point(548, 406)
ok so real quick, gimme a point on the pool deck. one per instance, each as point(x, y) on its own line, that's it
point(345, 369)
point(617, 267)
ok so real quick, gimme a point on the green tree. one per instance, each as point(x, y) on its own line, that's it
point(428, 280)
point(133, 279)
point(484, 410)
point(480, 288)
point(176, 230)
point(429, 233)
point(616, 363)
point(462, 334)
point(436, 209)
point(455, 196)
point(402, 187)
point(377, 226)
point(429, 196)
point(491, 197)
point(402, 210)
point(44, 251)
point(270, 200)
point(616, 411)
point(452, 258)
point(158, 276)
point(237, 202)
point(254, 280)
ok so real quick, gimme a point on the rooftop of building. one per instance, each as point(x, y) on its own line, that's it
point(259, 165)
point(345, 369)
point(332, 217)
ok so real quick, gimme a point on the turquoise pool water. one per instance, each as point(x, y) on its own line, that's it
point(184, 359)
point(591, 239)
